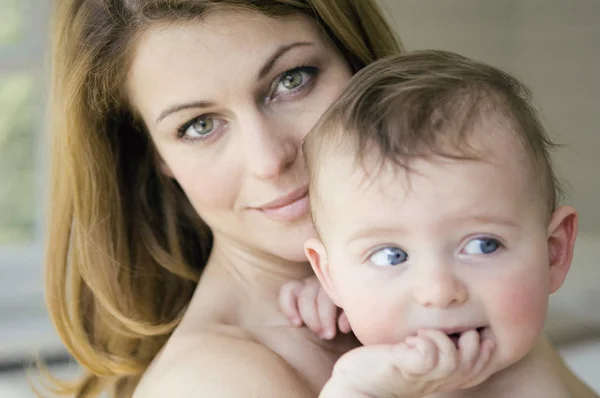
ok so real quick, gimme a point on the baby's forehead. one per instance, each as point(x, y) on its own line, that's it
point(490, 143)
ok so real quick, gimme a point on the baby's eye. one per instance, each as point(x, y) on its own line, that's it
point(388, 257)
point(482, 246)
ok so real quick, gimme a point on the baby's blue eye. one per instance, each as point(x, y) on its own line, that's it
point(388, 257)
point(482, 246)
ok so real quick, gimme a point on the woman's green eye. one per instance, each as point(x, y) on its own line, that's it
point(292, 80)
point(202, 126)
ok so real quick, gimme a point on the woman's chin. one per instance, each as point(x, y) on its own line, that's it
point(291, 252)
point(290, 246)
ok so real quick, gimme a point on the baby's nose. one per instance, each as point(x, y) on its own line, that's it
point(439, 287)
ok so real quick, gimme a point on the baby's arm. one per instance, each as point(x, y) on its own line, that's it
point(421, 365)
point(306, 302)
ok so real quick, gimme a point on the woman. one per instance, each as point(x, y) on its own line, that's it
point(177, 133)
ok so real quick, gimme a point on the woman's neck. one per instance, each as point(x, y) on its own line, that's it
point(240, 285)
point(257, 268)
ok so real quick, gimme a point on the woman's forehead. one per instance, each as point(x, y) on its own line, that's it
point(222, 36)
point(212, 52)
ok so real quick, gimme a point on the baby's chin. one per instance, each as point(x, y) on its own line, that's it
point(503, 369)
point(508, 364)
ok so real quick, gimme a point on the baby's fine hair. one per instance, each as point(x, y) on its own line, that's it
point(414, 105)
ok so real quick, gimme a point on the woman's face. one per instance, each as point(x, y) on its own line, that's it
point(227, 102)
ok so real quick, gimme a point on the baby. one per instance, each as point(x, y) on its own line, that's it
point(439, 233)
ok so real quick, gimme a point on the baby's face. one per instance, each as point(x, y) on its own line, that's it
point(451, 245)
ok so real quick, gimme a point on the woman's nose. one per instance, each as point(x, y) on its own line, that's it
point(438, 286)
point(270, 149)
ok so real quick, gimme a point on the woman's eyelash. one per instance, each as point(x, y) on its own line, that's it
point(182, 130)
point(310, 70)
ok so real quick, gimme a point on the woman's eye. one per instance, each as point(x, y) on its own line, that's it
point(294, 79)
point(199, 128)
point(482, 246)
point(388, 257)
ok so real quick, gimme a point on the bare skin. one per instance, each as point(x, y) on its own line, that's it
point(234, 340)
point(266, 341)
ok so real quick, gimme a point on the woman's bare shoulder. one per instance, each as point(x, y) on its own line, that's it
point(224, 362)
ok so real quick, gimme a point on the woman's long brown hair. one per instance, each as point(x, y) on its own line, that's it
point(124, 248)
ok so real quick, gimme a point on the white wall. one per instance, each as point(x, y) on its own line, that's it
point(552, 45)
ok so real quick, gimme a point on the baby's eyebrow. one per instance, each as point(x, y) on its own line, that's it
point(487, 219)
point(374, 232)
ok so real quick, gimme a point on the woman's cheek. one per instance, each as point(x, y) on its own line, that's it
point(214, 185)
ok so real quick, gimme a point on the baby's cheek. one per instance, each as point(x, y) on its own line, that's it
point(518, 314)
point(371, 304)
point(372, 326)
point(521, 307)
point(373, 319)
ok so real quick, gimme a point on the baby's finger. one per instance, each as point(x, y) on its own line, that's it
point(327, 314)
point(288, 301)
point(417, 356)
point(486, 349)
point(468, 354)
point(468, 350)
point(343, 323)
point(447, 353)
point(307, 305)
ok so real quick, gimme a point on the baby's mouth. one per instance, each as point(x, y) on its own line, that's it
point(455, 336)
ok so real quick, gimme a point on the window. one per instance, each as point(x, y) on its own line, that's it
point(24, 78)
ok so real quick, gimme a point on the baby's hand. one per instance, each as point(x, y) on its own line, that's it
point(423, 364)
point(431, 362)
point(306, 302)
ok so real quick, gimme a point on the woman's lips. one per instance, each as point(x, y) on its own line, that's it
point(289, 207)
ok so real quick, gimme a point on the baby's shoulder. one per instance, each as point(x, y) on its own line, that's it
point(219, 361)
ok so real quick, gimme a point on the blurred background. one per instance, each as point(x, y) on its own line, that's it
point(550, 44)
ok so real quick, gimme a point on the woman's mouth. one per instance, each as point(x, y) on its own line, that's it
point(289, 207)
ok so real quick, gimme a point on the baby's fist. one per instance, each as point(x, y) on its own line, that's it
point(306, 302)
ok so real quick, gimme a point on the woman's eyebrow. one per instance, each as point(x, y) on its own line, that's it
point(266, 68)
point(180, 107)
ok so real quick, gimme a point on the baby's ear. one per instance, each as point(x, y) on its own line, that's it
point(316, 254)
point(562, 233)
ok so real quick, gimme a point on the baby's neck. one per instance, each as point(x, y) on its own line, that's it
point(532, 376)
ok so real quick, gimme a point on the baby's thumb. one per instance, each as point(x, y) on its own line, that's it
point(416, 356)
